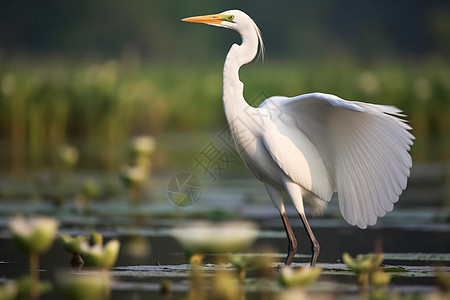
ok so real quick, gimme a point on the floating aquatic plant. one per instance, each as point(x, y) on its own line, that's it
point(67, 156)
point(300, 277)
point(28, 287)
point(363, 265)
point(84, 287)
point(136, 246)
point(380, 279)
point(135, 175)
point(214, 238)
point(97, 255)
point(34, 236)
point(196, 259)
point(242, 262)
point(95, 238)
point(142, 147)
point(100, 256)
point(224, 287)
point(88, 191)
point(196, 289)
point(134, 178)
point(165, 287)
point(73, 245)
point(76, 244)
point(9, 290)
point(263, 262)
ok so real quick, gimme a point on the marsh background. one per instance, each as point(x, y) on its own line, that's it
point(95, 73)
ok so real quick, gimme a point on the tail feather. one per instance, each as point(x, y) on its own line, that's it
point(314, 203)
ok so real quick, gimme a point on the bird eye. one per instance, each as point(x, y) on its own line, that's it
point(231, 17)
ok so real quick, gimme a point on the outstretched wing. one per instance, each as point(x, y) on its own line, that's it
point(294, 153)
point(364, 148)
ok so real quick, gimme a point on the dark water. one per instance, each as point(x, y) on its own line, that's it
point(166, 256)
point(417, 230)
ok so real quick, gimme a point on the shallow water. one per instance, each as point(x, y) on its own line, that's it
point(415, 237)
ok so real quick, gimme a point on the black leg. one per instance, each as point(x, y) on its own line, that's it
point(315, 247)
point(291, 237)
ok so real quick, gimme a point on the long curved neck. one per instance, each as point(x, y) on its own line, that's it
point(233, 89)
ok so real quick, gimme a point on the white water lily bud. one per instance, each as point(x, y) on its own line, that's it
point(300, 277)
point(34, 235)
point(133, 176)
point(363, 263)
point(208, 237)
point(68, 155)
point(100, 256)
point(72, 244)
point(143, 145)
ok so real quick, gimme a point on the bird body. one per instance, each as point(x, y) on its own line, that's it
point(313, 145)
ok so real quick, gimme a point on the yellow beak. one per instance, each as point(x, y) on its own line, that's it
point(208, 19)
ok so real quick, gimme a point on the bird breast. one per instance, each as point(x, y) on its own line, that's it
point(247, 130)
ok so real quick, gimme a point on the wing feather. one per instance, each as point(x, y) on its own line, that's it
point(363, 147)
point(298, 158)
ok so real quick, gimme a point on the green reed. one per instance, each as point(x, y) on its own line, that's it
point(99, 106)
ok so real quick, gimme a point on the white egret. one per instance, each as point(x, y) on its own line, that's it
point(313, 145)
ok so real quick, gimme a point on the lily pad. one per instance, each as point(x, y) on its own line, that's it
point(394, 269)
point(418, 256)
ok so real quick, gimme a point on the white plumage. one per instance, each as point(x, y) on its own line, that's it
point(313, 145)
point(362, 152)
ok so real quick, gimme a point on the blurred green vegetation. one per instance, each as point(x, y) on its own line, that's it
point(290, 27)
point(93, 74)
point(99, 106)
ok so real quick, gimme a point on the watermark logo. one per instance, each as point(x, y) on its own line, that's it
point(214, 160)
point(184, 189)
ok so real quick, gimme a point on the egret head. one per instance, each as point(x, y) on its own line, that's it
point(232, 19)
